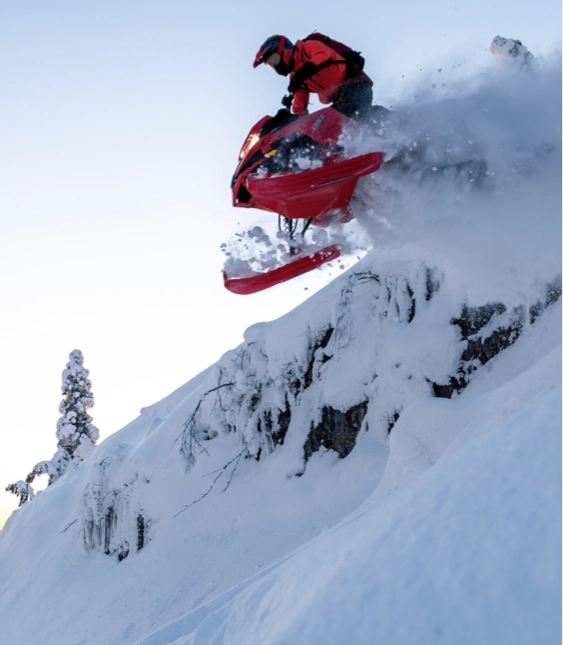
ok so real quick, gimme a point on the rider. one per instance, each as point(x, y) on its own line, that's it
point(315, 67)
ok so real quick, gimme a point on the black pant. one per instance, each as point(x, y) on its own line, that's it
point(354, 100)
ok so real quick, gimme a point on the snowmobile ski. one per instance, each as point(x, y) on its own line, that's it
point(261, 281)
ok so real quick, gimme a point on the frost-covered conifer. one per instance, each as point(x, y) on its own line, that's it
point(23, 490)
point(75, 432)
point(54, 468)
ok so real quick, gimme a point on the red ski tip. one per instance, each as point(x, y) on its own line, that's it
point(262, 281)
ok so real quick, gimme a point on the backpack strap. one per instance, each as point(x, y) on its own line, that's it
point(307, 71)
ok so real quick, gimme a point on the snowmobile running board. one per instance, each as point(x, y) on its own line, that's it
point(261, 281)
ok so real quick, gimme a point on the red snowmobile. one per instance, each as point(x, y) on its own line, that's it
point(293, 165)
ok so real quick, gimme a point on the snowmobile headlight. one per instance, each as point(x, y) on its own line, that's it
point(252, 139)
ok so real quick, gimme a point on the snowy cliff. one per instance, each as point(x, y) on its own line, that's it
point(349, 398)
point(381, 464)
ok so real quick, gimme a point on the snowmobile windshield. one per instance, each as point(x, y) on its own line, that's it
point(282, 118)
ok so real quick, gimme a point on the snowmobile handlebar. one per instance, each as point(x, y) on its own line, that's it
point(287, 100)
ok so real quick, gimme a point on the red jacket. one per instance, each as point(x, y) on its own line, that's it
point(327, 81)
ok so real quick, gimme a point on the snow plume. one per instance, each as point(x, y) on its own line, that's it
point(511, 50)
point(261, 248)
point(473, 178)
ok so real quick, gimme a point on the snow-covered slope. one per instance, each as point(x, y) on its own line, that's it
point(444, 511)
point(381, 464)
point(467, 554)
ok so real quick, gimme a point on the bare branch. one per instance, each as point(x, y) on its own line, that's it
point(68, 526)
point(220, 471)
point(234, 470)
point(366, 276)
point(190, 446)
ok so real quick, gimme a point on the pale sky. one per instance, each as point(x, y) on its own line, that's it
point(121, 127)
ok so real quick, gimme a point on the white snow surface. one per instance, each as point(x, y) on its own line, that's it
point(441, 525)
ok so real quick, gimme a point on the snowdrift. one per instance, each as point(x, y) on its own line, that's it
point(381, 464)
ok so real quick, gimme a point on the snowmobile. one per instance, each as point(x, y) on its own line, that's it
point(294, 166)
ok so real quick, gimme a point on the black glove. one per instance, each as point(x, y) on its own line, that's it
point(287, 101)
point(301, 75)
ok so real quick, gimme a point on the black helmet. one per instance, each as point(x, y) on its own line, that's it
point(272, 45)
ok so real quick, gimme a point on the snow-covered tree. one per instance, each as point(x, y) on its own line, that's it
point(75, 433)
point(54, 468)
point(23, 490)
